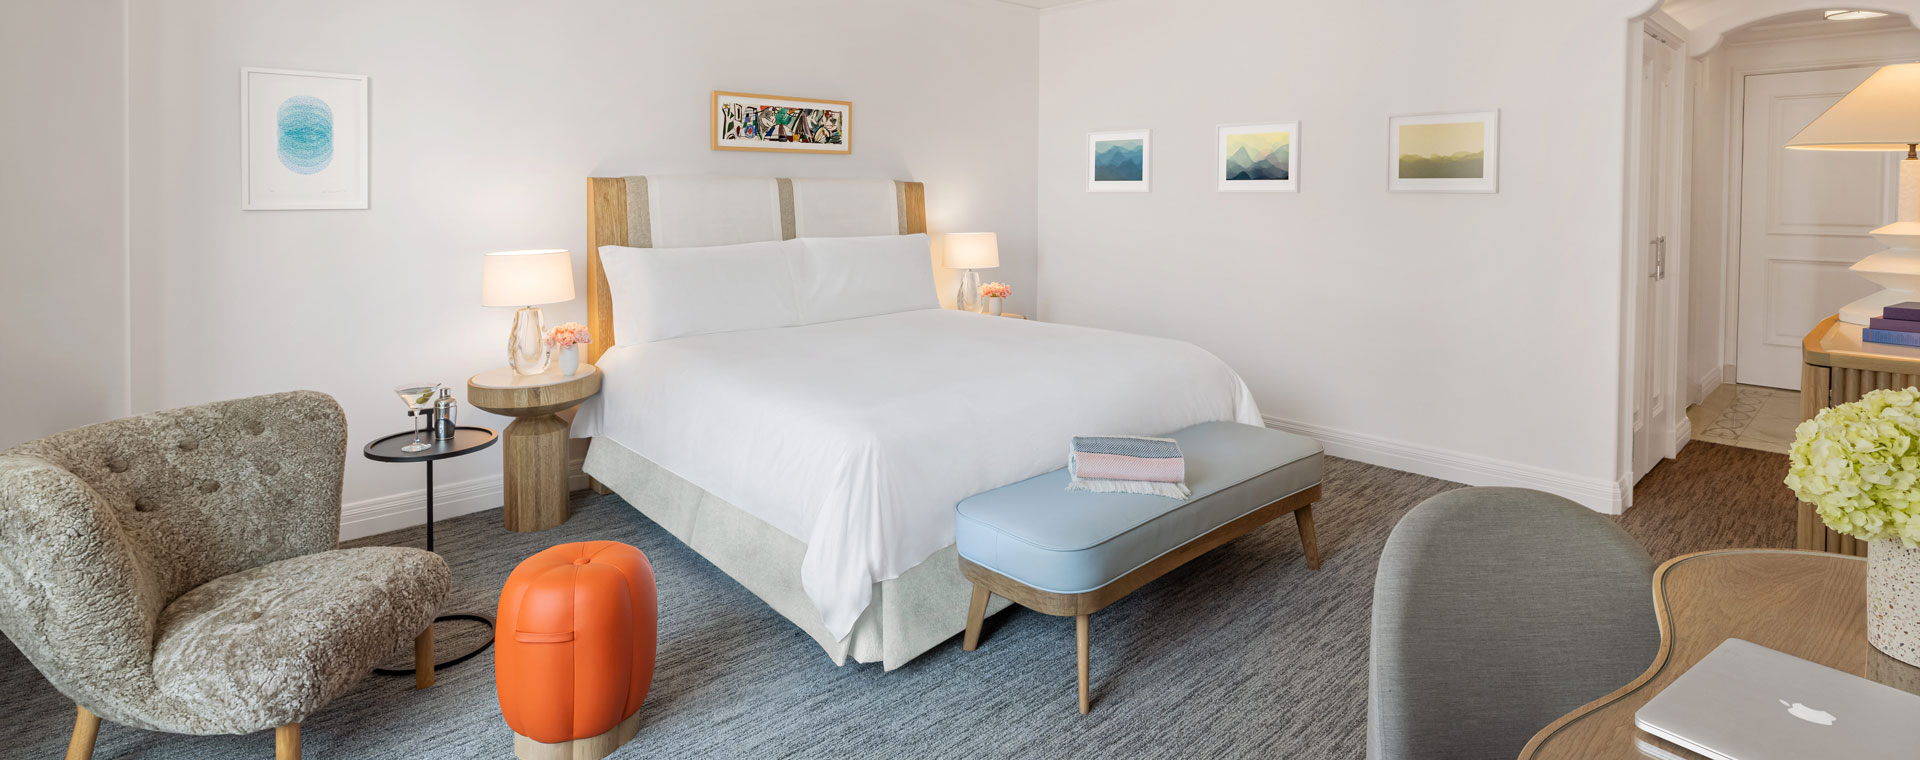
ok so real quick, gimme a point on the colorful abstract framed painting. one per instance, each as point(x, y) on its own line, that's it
point(1119, 162)
point(303, 140)
point(1444, 153)
point(1258, 158)
point(745, 121)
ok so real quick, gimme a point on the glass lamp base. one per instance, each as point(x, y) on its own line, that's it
point(968, 299)
point(527, 344)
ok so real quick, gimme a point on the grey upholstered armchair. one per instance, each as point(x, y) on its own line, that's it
point(177, 571)
point(1495, 611)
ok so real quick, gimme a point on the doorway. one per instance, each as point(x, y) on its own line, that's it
point(1804, 218)
point(1658, 173)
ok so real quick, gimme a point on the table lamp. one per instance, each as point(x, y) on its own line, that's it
point(526, 279)
point(1883, 114)
point(971, 251)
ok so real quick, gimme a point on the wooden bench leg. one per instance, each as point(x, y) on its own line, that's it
point(1081, 636)
point(1303, 517)
point(976, 614)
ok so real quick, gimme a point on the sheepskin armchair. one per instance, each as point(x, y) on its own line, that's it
point(178, 571)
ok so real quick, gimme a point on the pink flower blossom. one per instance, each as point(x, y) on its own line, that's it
point(569, 335)
point(996, 290)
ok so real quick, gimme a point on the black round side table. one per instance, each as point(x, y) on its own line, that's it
point(466, 440)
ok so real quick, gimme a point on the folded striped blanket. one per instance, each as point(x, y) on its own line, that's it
point(1127, 464)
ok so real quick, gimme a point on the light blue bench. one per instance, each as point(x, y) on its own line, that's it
point(1072, 553)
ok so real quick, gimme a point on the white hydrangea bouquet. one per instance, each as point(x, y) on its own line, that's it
point(1858, 463)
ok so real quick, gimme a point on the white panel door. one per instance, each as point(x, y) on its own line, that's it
point(1804, 218)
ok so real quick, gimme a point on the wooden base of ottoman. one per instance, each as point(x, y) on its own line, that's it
point(590, 748)
point(986, 582)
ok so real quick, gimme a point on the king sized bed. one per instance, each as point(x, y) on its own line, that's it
point(805, 417)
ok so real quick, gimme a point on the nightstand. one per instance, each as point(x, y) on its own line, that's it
point(535, 457)
point(1011, 315)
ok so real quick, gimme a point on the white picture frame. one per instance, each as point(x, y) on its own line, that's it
point(303, 140)
point(1142, 174)
point(1228, 175)
point(1438, 161)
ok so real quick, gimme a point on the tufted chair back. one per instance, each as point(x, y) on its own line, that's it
point(102, 527)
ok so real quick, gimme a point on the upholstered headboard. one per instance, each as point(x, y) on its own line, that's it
point(675, 212)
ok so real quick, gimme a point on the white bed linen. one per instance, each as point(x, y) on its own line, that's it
point(858, 437)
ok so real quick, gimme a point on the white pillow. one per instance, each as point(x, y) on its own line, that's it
point(662, 293)
point(852, 277)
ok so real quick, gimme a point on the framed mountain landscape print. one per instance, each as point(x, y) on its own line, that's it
point(745, 121)
point(1119, 162)
point(1445, 153)
point(1259, 158)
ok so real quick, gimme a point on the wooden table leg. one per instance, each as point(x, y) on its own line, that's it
point(536, 473)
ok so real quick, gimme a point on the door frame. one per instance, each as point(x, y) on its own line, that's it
point(1670, 428)
point(1733, 200)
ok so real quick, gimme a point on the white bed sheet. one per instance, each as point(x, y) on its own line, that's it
point(858, 437)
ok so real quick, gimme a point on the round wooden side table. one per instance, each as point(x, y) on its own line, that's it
point(535, 457)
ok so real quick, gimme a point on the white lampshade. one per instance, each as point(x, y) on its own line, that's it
point(526, 278)
point(1883, 113)
point(972, 250)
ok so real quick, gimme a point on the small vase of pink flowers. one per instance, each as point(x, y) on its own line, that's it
point(567, 339)
point(993, 296)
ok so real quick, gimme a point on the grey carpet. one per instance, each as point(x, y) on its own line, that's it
point(1243, 652)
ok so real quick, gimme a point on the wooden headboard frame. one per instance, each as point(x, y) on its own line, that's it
point(607, 225)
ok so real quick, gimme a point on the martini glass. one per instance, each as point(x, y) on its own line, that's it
point(418, 397)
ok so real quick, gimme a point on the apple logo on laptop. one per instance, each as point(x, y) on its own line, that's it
point(1808, 714)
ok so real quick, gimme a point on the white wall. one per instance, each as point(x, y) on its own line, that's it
point(1467, 336)
point(1713, 320)
point(62, 216)
point(487, 118)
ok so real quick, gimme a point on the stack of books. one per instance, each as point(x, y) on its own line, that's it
point(1898, 325)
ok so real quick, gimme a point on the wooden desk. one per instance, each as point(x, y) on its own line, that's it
point(1812, 605)
point(1839, 367)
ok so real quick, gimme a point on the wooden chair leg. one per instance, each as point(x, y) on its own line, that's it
point(976, 614)
point(422, 659)
point(1303, 517)
point(286, 742)
point(86, 729)
point(1081, 636)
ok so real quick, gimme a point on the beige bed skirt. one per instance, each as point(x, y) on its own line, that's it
point(909, 615)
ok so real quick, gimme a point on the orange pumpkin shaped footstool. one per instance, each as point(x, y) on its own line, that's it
point(574, 648)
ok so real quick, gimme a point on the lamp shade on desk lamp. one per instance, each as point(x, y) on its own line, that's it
point(1882, 114)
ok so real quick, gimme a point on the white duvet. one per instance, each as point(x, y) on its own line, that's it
point(858, 437)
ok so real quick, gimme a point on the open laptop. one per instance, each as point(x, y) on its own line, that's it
point(1744, 701)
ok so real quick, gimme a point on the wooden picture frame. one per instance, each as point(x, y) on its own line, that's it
point(1444, 161)
point(781, 124)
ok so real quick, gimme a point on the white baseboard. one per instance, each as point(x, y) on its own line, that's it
point(1705, 384)
point(1603, 496)
point(406, 509)
point(1682, 433)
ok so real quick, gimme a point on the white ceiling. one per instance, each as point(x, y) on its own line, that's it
point(1043, 4)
